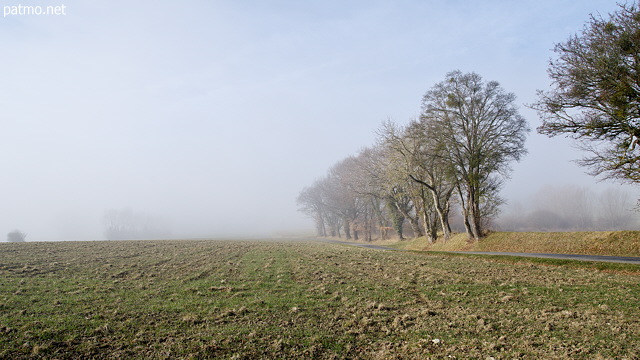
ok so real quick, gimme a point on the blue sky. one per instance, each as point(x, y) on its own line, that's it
point(213, 115)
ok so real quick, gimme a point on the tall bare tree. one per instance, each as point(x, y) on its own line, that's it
point(479, 132)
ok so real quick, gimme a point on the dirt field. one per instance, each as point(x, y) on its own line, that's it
point(294, 299)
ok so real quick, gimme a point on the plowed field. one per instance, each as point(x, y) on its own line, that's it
point(295, 299)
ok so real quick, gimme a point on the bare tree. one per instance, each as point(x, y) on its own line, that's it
point(401, 191)
point(341, 198)
point(615, 210)
point(311, 202)
point(366, 181)
point(595, 95)
point(382, 191)
point(571, 204)
point(479, 132)
point(425, 164)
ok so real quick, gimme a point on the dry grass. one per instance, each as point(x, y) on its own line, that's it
point(620, 243)
point(264, 300)
point(616, 243)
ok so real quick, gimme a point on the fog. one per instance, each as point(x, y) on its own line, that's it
point(206, 118)
point(571, 208)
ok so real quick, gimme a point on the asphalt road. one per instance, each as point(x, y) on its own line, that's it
point(614, 259)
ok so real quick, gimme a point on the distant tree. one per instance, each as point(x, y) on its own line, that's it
point(572, 208)
point(344, 199)
point(311, 201)
point(614, 210)
point(125, 224)
point(369, 183)
point(595, 95)
point(16, 236)
point(478, 132)
point(547, 220)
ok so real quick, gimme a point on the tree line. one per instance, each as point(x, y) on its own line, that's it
point(456, 154)
point(126, 224)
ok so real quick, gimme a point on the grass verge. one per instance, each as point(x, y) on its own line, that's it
point(613, 243)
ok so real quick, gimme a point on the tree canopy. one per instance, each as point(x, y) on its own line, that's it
point(595, 94)
point(479, 132)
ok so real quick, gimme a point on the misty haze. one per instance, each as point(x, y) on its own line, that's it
point(211, 126)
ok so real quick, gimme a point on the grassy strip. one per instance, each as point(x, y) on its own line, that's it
point(262, 300)
point(575, 264)
point(613, 243)
point(617, 243)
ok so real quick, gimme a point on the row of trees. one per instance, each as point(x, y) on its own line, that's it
point(460, 148)
point(457, 153)
point(126, 224)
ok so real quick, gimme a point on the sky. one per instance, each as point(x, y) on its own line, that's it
point(211, 116)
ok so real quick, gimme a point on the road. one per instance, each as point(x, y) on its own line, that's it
point(614, 259)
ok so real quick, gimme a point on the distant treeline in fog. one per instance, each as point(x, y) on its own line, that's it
point(571, 208)
point(126, 224)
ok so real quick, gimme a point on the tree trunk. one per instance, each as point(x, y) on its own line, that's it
point(320, 225)
point(426, 218)
point(413, 222)
point(443, 215)
point(397, 218)
point(347, 228)
point(434, 227)
point(446, 226)
point(430, 234)
point(375, 204)
point(442, 211)
point(465, 213)
point(474, 214)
